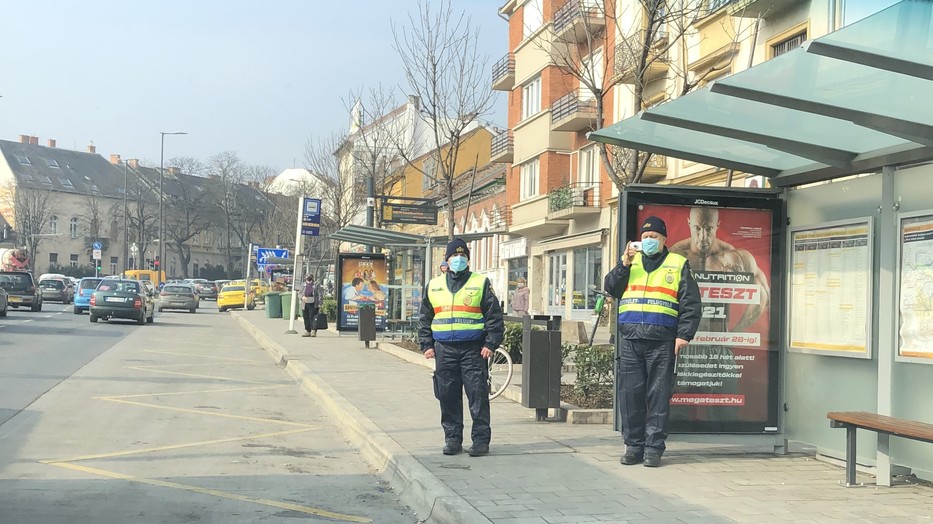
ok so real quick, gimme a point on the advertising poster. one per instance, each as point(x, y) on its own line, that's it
point(726, 377)
point(915, 295)
point(363, 281)
point(830, 289)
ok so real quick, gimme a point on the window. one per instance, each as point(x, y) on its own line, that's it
point(53, 225)
point(73, 227)
point(531, 98)
point(53, 258)
point(592, 66)
point(532, 18)
point(66, 183)
point(52, 163)
point(73, 261)
point(113, 265)
point(429, 178)
point(557, 283)
point(587, 271)
point(789, 44)
point(716, 5)
point(22, 159)
point(529, 182)
point(588, 175)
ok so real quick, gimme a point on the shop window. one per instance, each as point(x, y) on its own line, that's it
point(587, 271)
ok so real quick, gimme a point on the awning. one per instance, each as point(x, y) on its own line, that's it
point(849, 102)
point(571, 241)
point(384, 238)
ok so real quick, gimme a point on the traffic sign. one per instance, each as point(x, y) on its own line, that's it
point(97, 246)
point(265, 256)
point(311, 216)
point(96, 255)
point(134, 249)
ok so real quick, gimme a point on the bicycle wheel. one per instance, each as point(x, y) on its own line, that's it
point(500, 372)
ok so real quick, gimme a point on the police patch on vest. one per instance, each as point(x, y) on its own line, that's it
point(669, 278)
point(468, 299)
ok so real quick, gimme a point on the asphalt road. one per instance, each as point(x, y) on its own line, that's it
point(184, 420)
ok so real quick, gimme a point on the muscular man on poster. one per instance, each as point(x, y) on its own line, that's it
point(708, 254)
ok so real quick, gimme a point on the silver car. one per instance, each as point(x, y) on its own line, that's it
point(57, 289)
point(178, 296)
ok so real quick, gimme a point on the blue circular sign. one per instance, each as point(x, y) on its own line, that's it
point(98, 245)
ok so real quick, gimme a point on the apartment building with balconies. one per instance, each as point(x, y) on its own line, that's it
point(556, 191)
point(562, 201)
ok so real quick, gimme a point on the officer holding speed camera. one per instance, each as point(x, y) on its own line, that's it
point(659, 313)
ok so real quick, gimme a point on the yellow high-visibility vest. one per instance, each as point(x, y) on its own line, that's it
point(651, 298)
point(458, 317)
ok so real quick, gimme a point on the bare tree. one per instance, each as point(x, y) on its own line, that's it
point(333, 182)
point(142, 215)
point(32, 210)
point(227, 173)
point(443, 67)
point(381, 136)
point(600, 58)
point(190, 210)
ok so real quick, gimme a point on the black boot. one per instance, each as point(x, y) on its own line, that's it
point(452, 447)
point(478, 450)
point(632, 457)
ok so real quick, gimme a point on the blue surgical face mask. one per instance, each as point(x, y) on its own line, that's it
point(650, 246)
point(457, 264)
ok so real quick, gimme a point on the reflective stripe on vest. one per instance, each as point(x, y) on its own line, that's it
point(457, 317)
point(651, 298)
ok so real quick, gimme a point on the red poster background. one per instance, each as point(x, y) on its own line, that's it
point(750, 230)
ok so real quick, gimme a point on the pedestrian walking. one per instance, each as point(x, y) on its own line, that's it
point(311, 297)
point(659, 313)
point(444, 266)
point(520, 298)
point(461, 326)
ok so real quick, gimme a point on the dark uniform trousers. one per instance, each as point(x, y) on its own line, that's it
point(646, 384)
point(460, 366)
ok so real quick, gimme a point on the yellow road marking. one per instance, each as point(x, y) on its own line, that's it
point(198, 392)
point(194, 375)
point(174, 446)
point(204, 412)
point(197, 355)
point(216, 493)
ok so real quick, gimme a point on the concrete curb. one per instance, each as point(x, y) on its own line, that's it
point(427, 495)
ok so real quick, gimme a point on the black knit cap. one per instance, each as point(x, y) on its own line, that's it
point(655, 224)
point(457, 247)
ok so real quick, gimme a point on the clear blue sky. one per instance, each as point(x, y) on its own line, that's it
point(258, 78)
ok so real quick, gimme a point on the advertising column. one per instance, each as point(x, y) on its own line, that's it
point(363, 281)
point(726, 377)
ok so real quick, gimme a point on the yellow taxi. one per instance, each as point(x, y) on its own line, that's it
point(258, 288)
point(232, 296)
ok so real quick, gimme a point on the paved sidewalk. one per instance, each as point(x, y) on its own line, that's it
point(546, 472)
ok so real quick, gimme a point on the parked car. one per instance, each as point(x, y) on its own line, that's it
point(4, 302)
point(21, 289)
point(119, 298)
point(57, 289)
point(174, 296)
point(206, 290)
point(231, 297)
point(83, 292)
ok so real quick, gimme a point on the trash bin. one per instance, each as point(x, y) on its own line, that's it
point(541, 366)
point(286, 304)
point(367, 327)
point(273, 305)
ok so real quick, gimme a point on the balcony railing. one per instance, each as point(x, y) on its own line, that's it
point(502, 147)
point(576, 18)
point(578, 194)
point(501, 218)
point(628, 57)
point(571, 113)
point(503, 73)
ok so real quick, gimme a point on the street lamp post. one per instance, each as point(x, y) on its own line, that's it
point(162, 201)
point(126, 248)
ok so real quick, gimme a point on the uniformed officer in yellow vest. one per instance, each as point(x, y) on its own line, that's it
point(659, 313)
point(461, 326)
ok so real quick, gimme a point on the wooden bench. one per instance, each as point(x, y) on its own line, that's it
point(884, 425)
